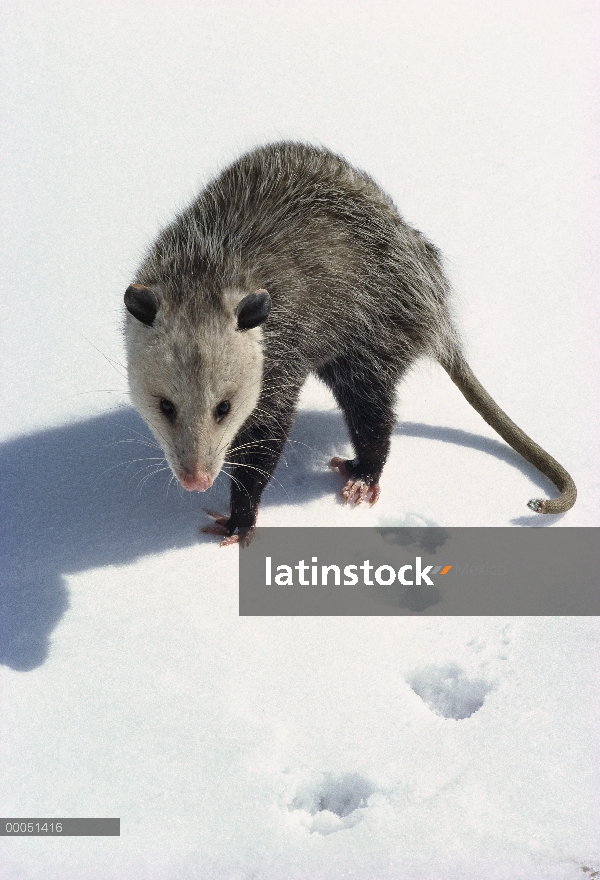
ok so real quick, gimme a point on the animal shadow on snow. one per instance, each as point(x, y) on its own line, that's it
point(72, 500)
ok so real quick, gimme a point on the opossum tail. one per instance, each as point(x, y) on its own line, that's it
point(462, 375)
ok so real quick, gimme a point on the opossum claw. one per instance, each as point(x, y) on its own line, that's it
point(356, 490)
point(218, 517)
point(219, 527)
point(340, 465)
point(242, 535)
point(230, 539)
point(221, 532)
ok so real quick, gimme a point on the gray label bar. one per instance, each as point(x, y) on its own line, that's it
point(60, 827)
point(421, 571)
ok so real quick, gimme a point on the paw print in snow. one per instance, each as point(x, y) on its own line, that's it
point(448, 691)
point(332, 802)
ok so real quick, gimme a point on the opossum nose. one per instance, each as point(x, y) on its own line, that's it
point(198, 482)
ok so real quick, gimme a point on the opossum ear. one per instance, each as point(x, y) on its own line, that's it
point(142, 303)
point(253, 310)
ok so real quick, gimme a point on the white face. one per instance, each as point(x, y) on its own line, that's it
point(194, 387)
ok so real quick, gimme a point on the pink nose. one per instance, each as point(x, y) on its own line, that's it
point(198, 482)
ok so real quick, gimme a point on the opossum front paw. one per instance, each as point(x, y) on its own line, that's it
point(230, 533)
point(242, 535)
point(357, 491)
point(357, 488)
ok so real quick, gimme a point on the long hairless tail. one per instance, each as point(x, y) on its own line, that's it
point(462, 375)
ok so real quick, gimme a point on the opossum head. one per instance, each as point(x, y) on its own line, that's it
point(195, 373)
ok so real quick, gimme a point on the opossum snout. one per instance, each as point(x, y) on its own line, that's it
point(197, 482)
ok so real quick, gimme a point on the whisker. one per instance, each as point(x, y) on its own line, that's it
point(237, 482)
point(135, 440)
point(127, 464)
point(270, 450)
point(253, 443)
point(139, 433)
point(270, 478)
point(145, 436)
point(111, 361)
point(170, 483)
point(147, 477)
point(98, 391)
point(250, 467)
point(146, 466)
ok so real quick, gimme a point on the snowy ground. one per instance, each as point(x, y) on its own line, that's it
point(292, 748)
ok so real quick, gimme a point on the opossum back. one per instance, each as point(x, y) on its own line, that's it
point(321, 236)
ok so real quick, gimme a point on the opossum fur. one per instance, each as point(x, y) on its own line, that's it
point(291, 261)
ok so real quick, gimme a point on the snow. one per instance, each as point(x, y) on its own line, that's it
point(236, 748)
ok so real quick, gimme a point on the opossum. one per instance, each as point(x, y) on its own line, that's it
point(290, 262)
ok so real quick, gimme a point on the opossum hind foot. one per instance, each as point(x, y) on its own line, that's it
point(220, 528)
point(357, 488)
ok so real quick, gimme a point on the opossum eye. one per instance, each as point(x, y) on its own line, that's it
point(222, 409)
point(167, 409)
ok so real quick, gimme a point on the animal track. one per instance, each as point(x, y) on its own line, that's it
point(448, 691)
point(332, 802)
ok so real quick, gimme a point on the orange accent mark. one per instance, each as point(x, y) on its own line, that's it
point(446, 570)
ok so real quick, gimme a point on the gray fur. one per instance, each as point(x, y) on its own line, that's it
point(356, 296)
